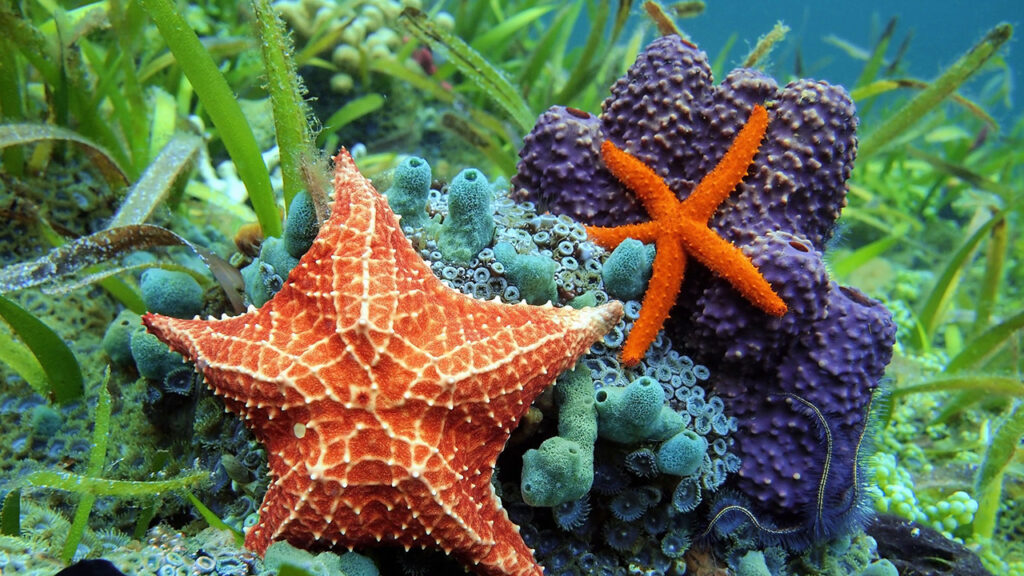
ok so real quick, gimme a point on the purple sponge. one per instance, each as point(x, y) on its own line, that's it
point(800, 385)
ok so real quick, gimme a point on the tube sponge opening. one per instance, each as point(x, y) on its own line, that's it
point(469, 225)
point(682, 454)
point(556, 472)
point(409, 189)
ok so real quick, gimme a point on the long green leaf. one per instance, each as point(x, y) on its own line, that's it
point(954, 76)
point(1001, 449)
point(212, 519)
point(219, 102)
point(97, 455)
point(291, 124)
point(82, 484)
point(418, 80)
point(30, 133)
point(877, 59)
point(217, 47)
point(582, 70)
point(490, 40)
point(985, 344)
point(350, 112)
point(20, 359)
point(977, 383)
point(931, 311)
point(73, 257)
point(58, 362)
point(845, 266)
point(879, 87)
point(991, 281)
point(157, 180)
point(543, 51)
point(472, 64)
point(12, 103)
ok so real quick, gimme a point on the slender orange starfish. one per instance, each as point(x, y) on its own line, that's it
point(680, 229)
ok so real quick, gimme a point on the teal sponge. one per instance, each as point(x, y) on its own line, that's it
point(282, 553)
point(881, 568)
point(324, 564)
point(682, 454)
point(753, 564)
point(152, 357)
point(117, 340)
point(274, 253)
point(556, 472)
point(628, 269)
point(635, 413)
point(409, 189)
point(355, 564)
point(562, 468)
point(260, 280)
point(265, 275)
point(301, 226)
point(171, 293)
point(532, 274)
point(469, 225)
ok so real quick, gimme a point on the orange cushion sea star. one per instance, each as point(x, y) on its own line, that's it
point(680, 229)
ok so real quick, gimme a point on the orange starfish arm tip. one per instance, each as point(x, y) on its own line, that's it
point(657, 198)
point(662, 290)
point(610, 237)
point(718, 184)
point(732, 265)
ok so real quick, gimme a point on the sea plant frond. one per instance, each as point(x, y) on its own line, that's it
point(58, 363)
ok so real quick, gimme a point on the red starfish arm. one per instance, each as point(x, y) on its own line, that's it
point(650, 188)
point(728, 262)
point(609, 237)
point(662, 290)
point(718, 184)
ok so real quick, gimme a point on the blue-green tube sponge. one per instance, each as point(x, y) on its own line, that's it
point(274, 253)
point(682, 454)
point(753, 564)
point(152, 357)
point(323, 564)
point(635, 413)
point(562, 468)
point(117, 341)
point(171, 293)
point(265, 275)
point(409, 189)
point(469, 225)
point(301, 226)
point(532, 274)
point(628, 269)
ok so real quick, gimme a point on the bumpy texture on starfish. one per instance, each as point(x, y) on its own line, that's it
point(680, 228)
point(383, 396)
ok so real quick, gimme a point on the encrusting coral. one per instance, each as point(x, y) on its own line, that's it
point(801, 402)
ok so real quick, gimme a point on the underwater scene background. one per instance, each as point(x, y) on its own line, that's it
point(406, 287)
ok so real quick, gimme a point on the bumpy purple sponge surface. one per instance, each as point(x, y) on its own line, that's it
point(801, 384)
